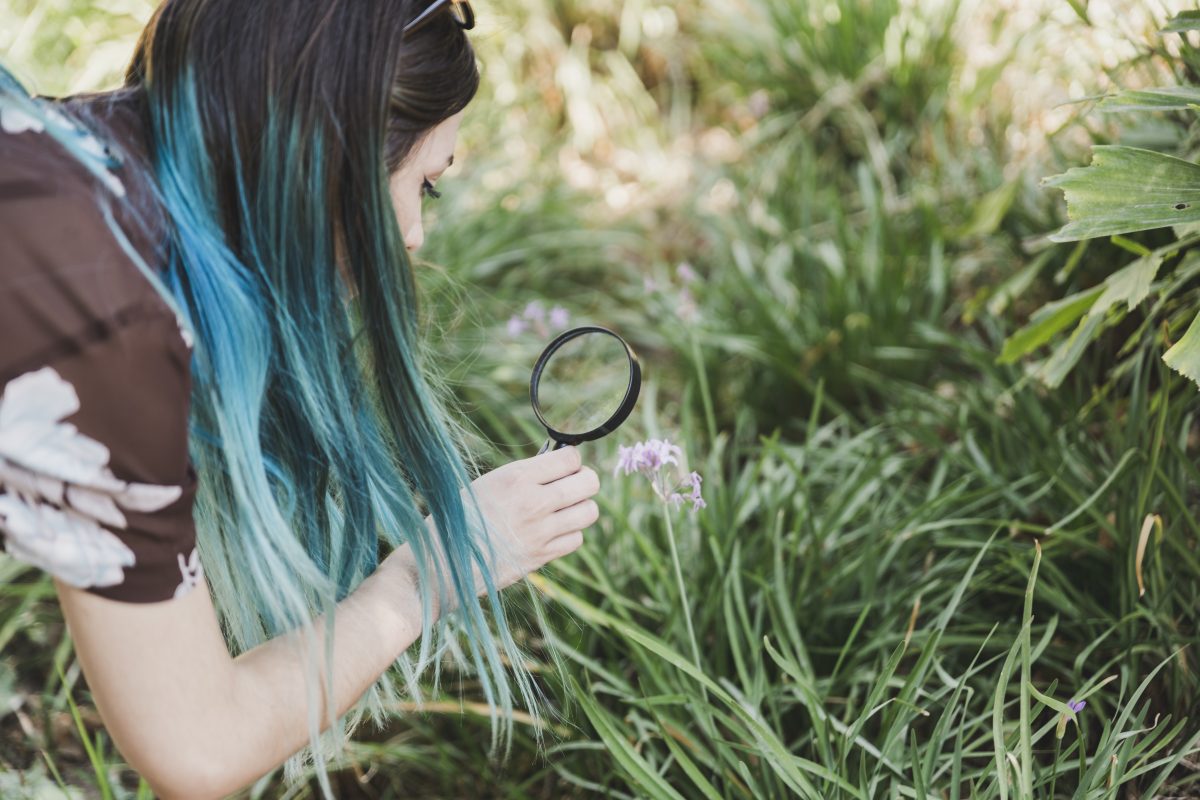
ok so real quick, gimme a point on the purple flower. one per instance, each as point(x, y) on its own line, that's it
point(516, 326)
point(628, 459)
point(686, 273)
point(648, 285)
point(660, 452)
point(651, 458)
point(1077, 705)
point(692, 481)
point(535, 311)
point(647, 457)
point(559, 318)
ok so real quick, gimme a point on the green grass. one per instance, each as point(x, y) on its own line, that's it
point(913, 555)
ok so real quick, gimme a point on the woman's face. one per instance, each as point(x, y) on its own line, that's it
point(419, 172)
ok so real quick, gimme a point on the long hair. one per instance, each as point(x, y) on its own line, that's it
point(272, 128)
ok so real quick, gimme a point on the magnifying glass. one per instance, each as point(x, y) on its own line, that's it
point(584, 385)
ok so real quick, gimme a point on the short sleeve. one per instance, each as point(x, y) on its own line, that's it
point(95, 483)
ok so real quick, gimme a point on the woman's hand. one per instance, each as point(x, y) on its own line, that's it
point(536, 510)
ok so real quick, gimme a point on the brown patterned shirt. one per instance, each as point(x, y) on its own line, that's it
point(96, 486)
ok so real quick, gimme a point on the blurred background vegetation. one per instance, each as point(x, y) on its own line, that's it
point(952, 484)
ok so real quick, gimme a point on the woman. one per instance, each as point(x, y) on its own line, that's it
point(211, 377)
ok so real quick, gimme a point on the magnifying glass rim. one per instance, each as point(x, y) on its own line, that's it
point(618, 416)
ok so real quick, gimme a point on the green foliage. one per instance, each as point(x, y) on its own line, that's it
point(1170, 98)
point(1184, 355)
point(60, 47)
point(1128, 189)
point(1183, 21)
point(1047, 321)
point(1125, 190)
point(915, 553)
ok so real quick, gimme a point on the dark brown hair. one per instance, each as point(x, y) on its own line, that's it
point(343, 67)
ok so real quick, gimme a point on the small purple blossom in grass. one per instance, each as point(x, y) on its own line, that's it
point(1077, 705)
point(693, 480)
point(559, 318)
point(678, 500)
point(516, 326)
point(686, 273)
point(647, 457)
point(535, 311)
point(651, 458)
point(648, 285)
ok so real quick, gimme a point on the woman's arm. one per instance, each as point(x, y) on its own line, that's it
point(197, 723)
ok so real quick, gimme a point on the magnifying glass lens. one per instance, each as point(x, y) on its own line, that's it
point(583, 383)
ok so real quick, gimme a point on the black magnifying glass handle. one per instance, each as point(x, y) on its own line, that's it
point(551, 444)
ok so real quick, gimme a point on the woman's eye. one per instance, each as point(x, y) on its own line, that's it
point(428, 190)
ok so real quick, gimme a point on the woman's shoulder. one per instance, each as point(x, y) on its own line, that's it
point(70, 242)
point(46, 153)
point(95, 482)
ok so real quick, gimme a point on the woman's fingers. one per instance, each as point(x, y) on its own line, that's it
point(573, 518)
point(549, 467)
point(536, 510)
point(572, 489)
point(565, 545)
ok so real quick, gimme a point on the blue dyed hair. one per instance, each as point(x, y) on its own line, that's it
point(271, 131)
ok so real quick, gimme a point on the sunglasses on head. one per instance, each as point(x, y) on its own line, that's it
point(459, 9)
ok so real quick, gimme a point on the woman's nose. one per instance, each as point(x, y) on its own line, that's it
point(414, 238)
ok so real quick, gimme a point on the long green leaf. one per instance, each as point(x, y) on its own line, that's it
point(642, 773)
point(1167, 98)
point(96, 760)
point(1026, 755)
point(1046, 322)
point(1184, 355)
point(1127, 189)
point(689, 766)
point(1067, 354)
point(1128, 285)
point(998, 738)
point(1100, 492)
point(1183, 21)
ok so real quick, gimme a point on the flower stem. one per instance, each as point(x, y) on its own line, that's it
point(1054, 765)
point(683, 598)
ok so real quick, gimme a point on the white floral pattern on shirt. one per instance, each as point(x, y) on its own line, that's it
point(56, 490)
point(15, 119)
point(191, 570)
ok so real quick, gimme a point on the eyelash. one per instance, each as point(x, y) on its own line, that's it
point(428, 190)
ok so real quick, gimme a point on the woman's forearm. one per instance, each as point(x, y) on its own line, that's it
point(373, 626)
point(197, 723)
